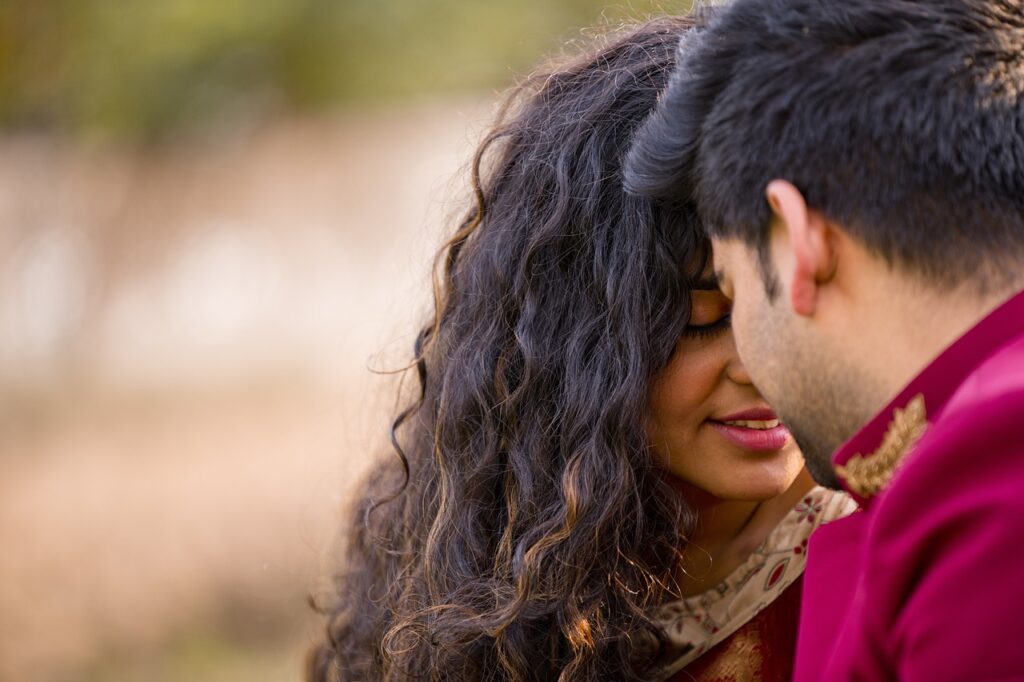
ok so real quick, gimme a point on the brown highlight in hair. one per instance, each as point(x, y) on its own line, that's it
point(523, 532)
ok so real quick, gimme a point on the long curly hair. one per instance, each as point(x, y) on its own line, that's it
point(523, 531)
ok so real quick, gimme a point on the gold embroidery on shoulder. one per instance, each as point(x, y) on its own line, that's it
point(867, 475)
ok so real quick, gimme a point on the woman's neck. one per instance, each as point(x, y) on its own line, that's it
point(727, 532)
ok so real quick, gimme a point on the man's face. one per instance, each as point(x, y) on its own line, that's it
point(790, 358)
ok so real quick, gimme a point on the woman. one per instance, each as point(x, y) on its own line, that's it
point(588, 486)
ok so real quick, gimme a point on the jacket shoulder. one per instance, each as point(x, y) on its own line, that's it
point(1000, 377)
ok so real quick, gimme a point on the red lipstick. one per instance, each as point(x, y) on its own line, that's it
point(755, 414)
point(752, 437)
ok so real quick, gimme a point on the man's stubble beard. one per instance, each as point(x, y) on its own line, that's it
point(821, 400)
point(816, 447)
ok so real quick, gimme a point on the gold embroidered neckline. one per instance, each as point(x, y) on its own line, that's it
point(868, 475)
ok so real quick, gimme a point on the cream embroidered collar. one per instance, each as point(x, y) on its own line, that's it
point(695, 624)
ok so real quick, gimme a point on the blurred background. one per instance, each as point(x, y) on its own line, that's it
point(216, 219)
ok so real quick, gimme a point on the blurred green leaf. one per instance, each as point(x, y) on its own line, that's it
point(150, 68)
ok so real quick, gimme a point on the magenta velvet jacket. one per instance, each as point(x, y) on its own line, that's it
point(926, 582)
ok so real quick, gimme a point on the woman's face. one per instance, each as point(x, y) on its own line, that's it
point(708, 425)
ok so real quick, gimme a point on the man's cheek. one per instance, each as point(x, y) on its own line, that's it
point(751, 336)
point(742, 334)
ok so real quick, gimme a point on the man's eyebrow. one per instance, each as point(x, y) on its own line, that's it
point(706, 283)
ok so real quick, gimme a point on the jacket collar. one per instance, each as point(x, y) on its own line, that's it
point(868, 461)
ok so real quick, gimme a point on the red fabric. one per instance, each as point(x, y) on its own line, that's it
point(761, 650)
point(829, 586)
point(926, 582)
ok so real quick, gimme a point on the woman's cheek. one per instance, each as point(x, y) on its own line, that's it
point(689, 380)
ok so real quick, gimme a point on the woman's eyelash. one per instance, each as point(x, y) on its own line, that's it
point(703, 330)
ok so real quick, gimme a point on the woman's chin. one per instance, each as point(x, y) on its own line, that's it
point(758, 486)
point(754, 494)
point(710, 492)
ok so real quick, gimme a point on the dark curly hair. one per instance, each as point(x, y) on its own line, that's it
point(524, 532)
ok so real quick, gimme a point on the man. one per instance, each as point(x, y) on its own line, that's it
point(860, 167)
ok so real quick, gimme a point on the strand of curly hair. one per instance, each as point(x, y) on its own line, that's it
point(522, 531)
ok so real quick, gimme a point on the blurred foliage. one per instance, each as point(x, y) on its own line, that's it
point(144, 69)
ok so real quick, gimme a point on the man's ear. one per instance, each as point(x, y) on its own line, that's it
point(807, 230)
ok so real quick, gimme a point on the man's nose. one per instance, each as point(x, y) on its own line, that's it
point(736, 370)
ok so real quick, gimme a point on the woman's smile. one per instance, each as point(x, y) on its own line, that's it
point(756, 430)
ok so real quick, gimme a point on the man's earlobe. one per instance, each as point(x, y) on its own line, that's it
point(805, 230)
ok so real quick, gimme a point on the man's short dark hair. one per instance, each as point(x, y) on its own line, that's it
point(902, 121)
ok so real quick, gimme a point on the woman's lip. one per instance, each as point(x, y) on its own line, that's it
point(755, 440)
point(758, 414)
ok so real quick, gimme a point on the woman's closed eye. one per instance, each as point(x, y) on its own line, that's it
point(710, 329)
point(710, 313)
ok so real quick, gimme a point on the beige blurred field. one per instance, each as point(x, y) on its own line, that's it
point(186, 337)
